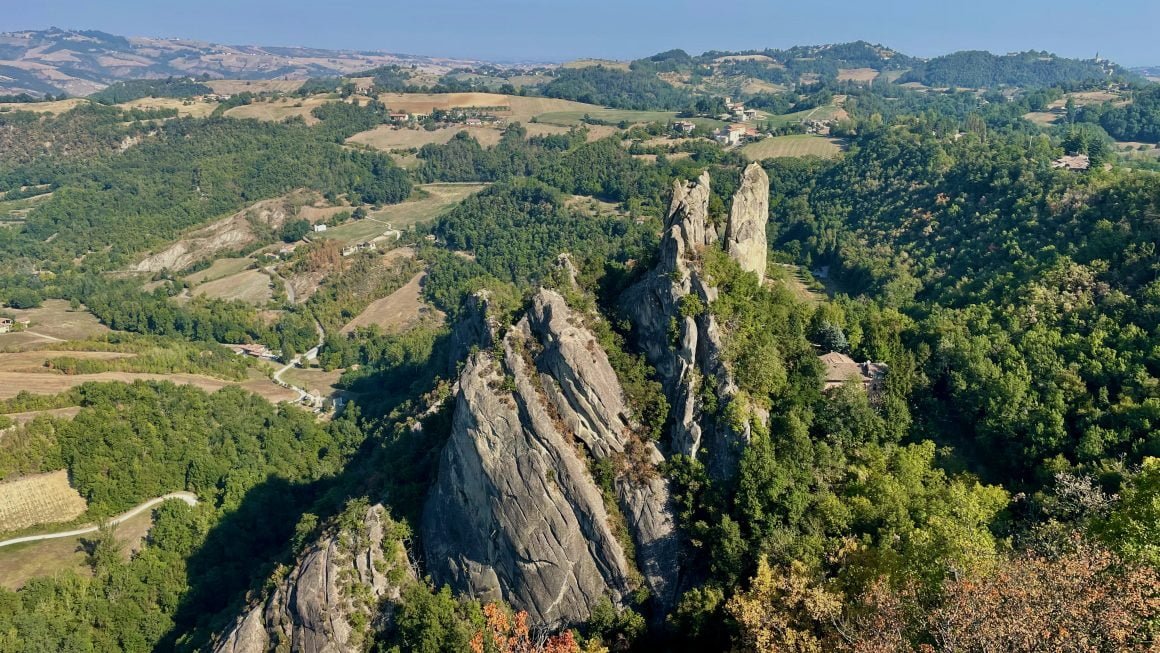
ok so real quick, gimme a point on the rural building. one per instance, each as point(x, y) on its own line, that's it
point(255, 350)
point(1074, 162)
point(840, 368)
point(5, 325)
point(684, 126)
point(473, 122)
point(399, 117)
point(319, 227)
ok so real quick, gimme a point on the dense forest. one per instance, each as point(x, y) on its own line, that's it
point(131, 90)
point(981, 69)
point(616, 88)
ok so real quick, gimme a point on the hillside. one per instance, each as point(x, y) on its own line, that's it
point(82, 62)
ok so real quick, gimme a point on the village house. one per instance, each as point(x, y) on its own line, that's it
point(399, 117)
point(684, 126)
point(473, 122)
point(319, 228)
point(734, 134)
point(1075, 162)
point(5, 324)
point(840, 368)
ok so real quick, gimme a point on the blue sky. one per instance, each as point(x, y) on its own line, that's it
point(1123, 30)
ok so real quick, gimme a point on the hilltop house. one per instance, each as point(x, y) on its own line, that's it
point(840, 368)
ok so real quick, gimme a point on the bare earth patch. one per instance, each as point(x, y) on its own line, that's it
point(386, 137)
point(196, 108)
point(39, 499)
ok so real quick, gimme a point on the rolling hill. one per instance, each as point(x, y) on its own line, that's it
point(80, 62)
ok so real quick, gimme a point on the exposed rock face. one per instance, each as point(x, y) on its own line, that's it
point(696, 356)
point(745, 234)
point(515, 513)
point(475, 329)
point(310, 609)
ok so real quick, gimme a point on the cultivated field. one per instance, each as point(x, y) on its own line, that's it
point(792, 146)
point(54, 320)
point(427, 204)
point(397, 311)
point(235, 86)
point(39, 499)
point(857, 74)
point(249, 286)
point(195, 108)
point(47, 383)
point(36, 362)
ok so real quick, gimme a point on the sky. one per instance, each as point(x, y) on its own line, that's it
point(558, 30)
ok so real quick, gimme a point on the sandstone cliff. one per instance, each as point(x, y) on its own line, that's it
point(663, 297)
point(352, 572)
point(515, 512)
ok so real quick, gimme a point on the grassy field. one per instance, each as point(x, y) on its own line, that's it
point(12, 383)
point(796, 280)
point(39, 499)
point(235, 86)
point(825, 112)
point(314, 381)
point(280, 109)
point(20, 563)
point(54, 320)
point(857, 74)
point(1042, 118)
point(249, 286)
point(386, 138)
point(58, 106)
point(194, 108)
point(792, 146)
point(222, 267)
point(397, 311)
point(427, 204)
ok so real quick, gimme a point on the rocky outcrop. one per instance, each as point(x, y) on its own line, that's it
point(348, 573)
point(745, 233)
point(515, 512)
point(668, 296)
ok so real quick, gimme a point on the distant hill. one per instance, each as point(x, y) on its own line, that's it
point(1151, 72)
point(83, 62)
point(978, 69)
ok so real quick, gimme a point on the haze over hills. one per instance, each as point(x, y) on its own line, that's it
point(82, 62)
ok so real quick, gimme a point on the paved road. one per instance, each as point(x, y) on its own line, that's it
point(187, 497)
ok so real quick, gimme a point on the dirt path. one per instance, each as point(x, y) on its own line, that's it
point(188, 497)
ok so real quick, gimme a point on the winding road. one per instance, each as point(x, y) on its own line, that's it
point(188, 497)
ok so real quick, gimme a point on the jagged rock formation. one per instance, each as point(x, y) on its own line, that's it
point(745, 235)
point(310, 609)
point(655, 303)
point(515, 512)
